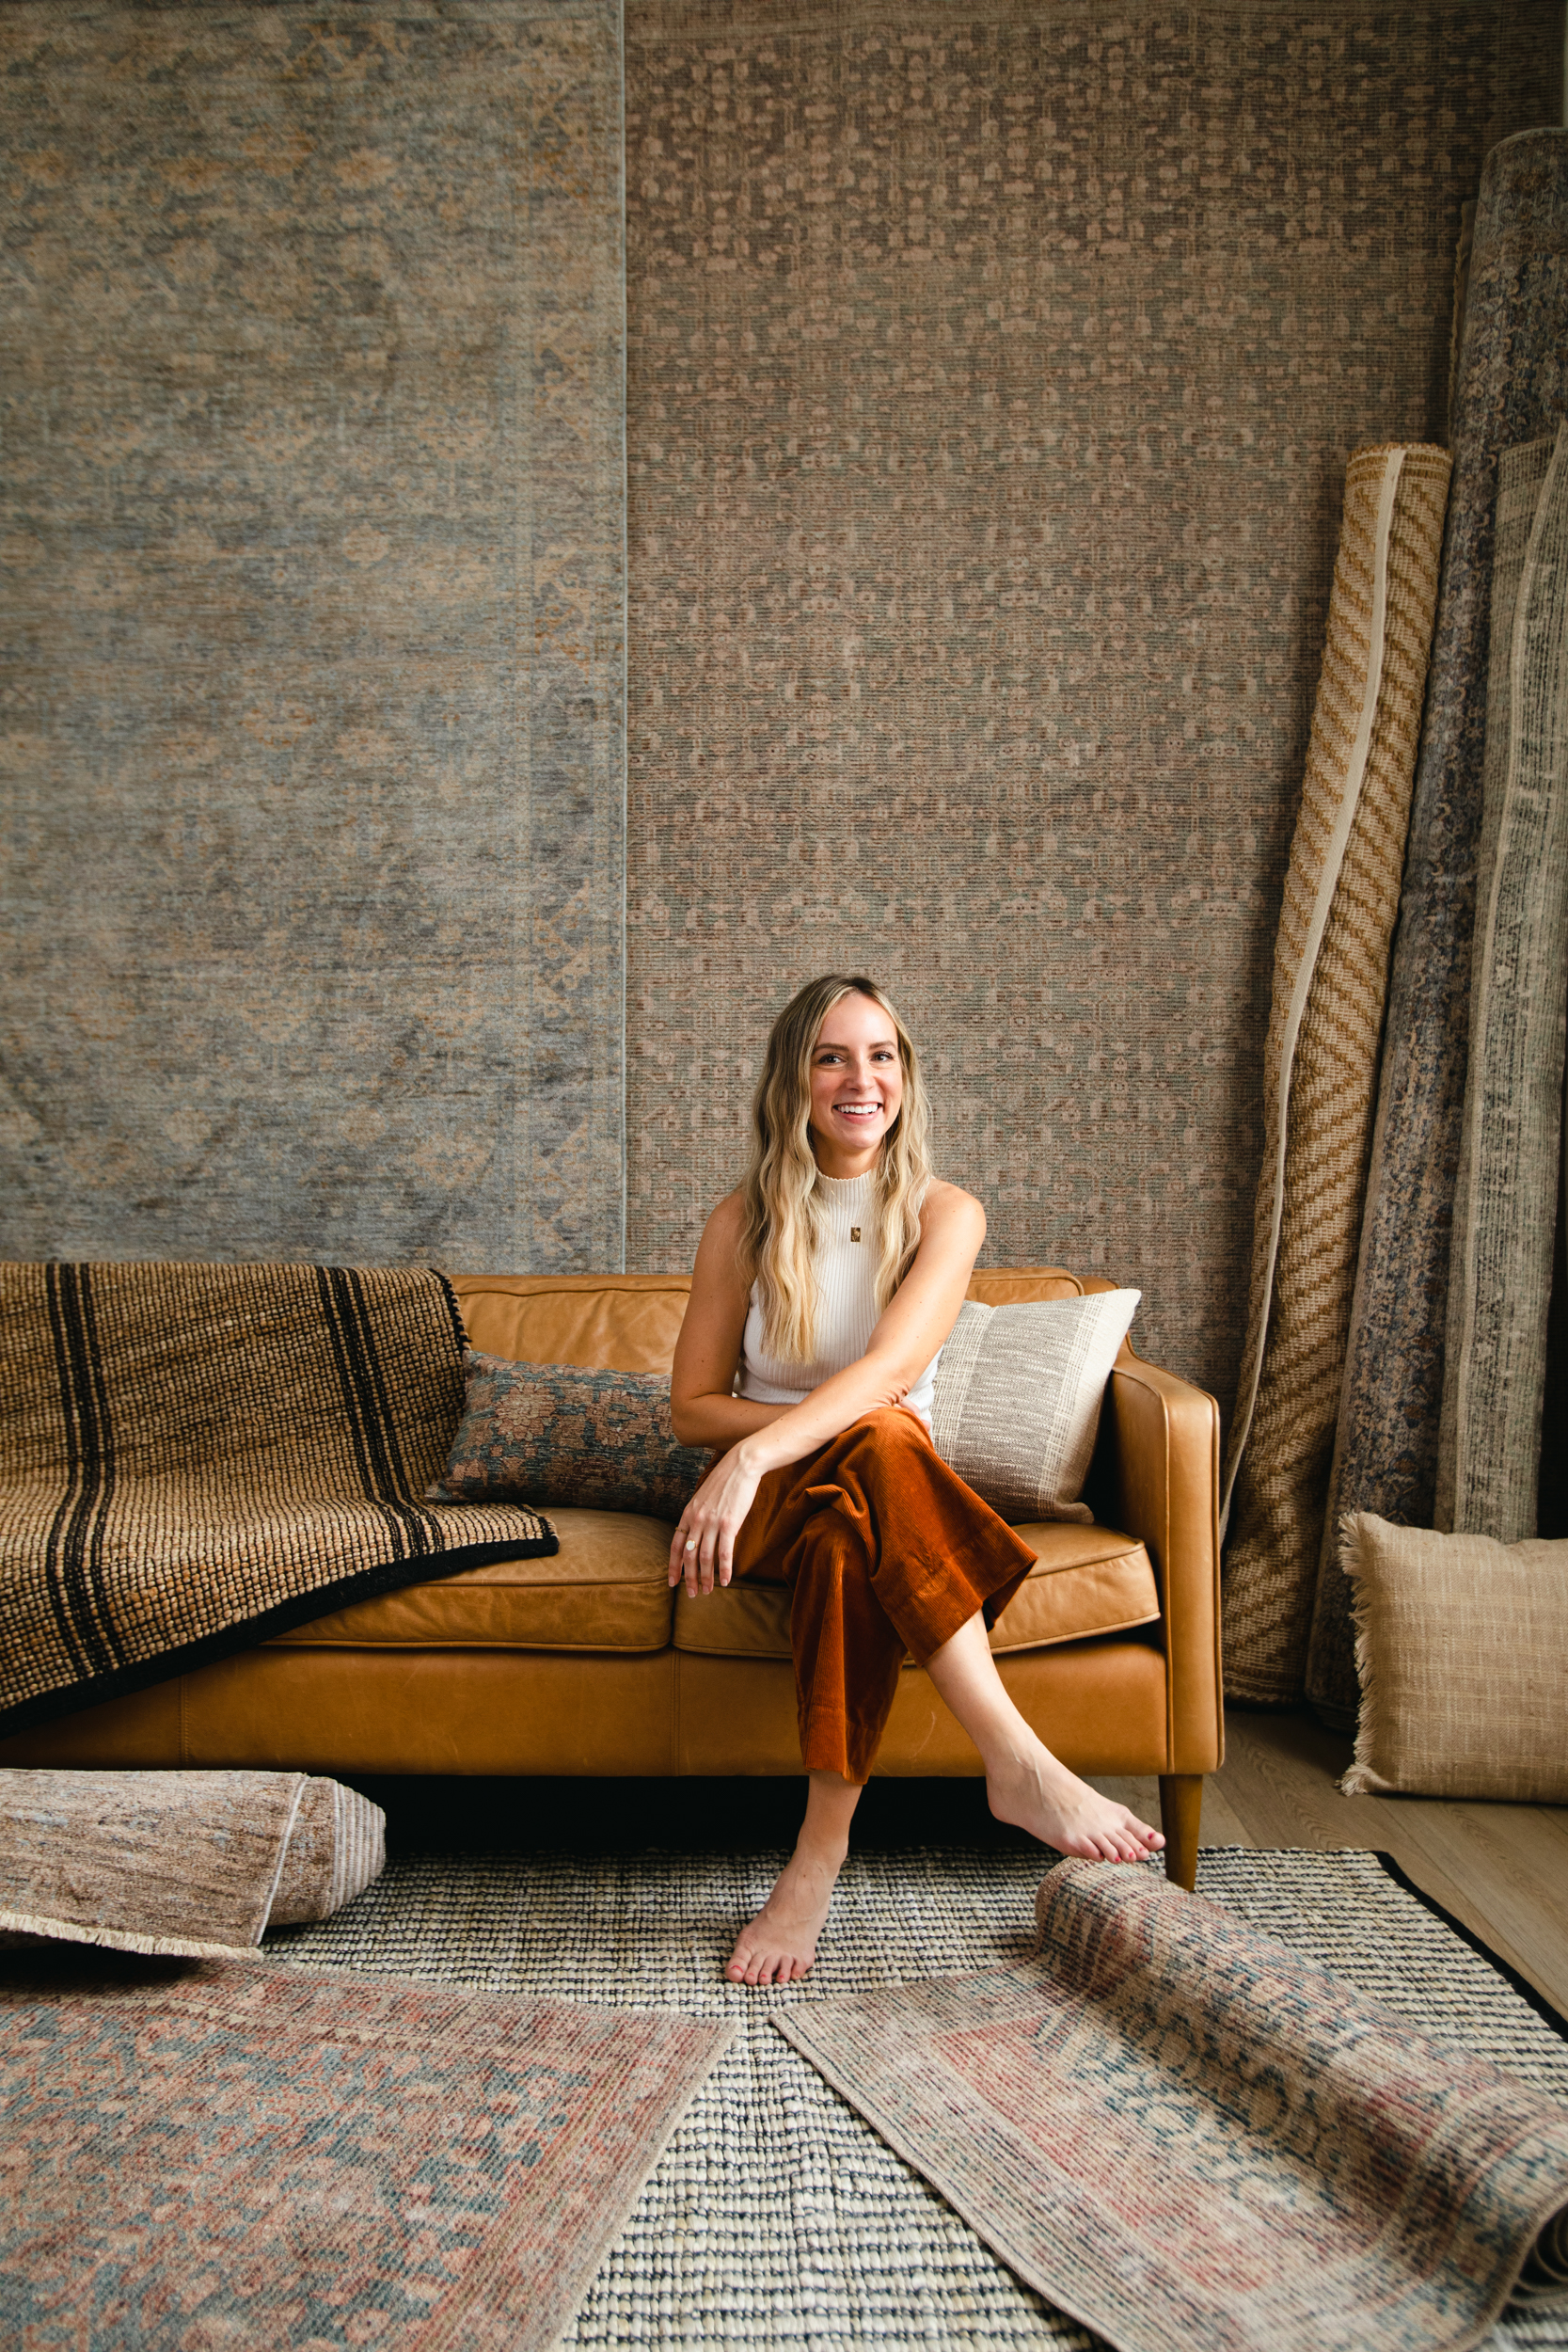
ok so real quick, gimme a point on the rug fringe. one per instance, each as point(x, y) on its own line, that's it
point(121, 1939)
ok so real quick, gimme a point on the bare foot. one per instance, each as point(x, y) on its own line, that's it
point(780, 1944)
point(1040, 1794)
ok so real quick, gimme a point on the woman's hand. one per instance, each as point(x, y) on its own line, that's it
point(703, 1550)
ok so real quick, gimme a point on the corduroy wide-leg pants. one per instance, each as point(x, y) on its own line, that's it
point(886, 1551)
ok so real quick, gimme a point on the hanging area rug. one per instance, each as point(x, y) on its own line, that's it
point(217, 2152)
point(777, 2216)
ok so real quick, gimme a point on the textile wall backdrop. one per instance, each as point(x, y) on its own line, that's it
point(313, 550)
point(992, 376)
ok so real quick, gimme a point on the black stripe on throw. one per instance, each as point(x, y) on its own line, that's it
point(76, 1559)
point(423, 1526)
point(104, 1614)
point(53, 1542)
point(328, 1287)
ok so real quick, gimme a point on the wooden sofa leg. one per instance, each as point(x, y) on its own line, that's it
point(1180, 1811)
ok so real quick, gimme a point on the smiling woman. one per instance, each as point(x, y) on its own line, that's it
point(824, 1291)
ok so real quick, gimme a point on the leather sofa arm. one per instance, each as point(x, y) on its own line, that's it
point(1160, 1481)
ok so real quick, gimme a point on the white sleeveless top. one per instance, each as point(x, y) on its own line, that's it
point(847, 1311)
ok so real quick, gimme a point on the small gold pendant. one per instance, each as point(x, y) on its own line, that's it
point(854, 1233)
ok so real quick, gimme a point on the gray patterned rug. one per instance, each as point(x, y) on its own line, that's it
point(777, 2217)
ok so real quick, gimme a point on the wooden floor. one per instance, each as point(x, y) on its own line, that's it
point(1501, 1869)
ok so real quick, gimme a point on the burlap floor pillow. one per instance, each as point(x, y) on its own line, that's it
point(1018, 1396)
point(1462, 1646)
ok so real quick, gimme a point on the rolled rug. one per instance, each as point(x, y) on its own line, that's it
point(194, 1864)
point(1320, 1061)
point(1505, 1206)
point(1510, 390)
point(1191, 2140)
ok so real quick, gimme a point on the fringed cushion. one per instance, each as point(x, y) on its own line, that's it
point(1462, 1647)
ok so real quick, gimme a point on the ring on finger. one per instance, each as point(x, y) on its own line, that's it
point(691, 1546)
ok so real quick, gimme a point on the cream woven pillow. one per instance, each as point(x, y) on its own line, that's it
point(1462, 1646)
point(1017, 1403)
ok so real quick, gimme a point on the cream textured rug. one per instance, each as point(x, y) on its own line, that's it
point(194, 1456)
point(1509, 390)
point(312, 588)
point(993, 370)
point(1196, 2142)
point(194, 1863)
point(778, 2217)
point(1320, 1061)
point(1505, 1205)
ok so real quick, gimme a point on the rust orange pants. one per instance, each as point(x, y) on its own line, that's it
point(885, 1549)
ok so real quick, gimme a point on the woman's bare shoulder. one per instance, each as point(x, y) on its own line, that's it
point(948, 1207)
point(727, 1220)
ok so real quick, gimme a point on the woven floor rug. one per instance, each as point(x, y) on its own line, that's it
point(1505, 1206)
point(214, 2153)
point(1510, 388)
point(778, 2217)
point(194, 1456)
point(1320, 1059)
point(198, 1864)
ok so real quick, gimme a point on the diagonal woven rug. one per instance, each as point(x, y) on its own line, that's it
point(1320, 1061)
point(777, 2216)
point(256, 2158)
point(194, 1456)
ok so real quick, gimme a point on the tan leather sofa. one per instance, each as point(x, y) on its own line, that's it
point(587, 1664)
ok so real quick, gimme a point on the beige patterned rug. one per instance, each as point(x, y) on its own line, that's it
point(1320, 1057)
point(1505, 1202)
point(200, 1864)
point(993, 370)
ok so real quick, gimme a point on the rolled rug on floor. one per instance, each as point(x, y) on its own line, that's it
point(192, 1864)
point(1191, 2140)
point(1505, 1206)
point(1320, 1061)
point(1510, 390)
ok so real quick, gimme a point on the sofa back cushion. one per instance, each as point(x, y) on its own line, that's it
point(630, 1322)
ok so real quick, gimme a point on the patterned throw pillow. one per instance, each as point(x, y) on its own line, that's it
point(599, 1441)
point(1018, 1395)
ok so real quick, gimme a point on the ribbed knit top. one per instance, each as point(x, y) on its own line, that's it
point(846, 1312)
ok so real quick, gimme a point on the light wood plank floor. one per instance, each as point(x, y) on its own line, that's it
point(1501, 1869)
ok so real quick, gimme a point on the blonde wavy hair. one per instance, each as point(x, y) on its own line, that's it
point(783, 1191)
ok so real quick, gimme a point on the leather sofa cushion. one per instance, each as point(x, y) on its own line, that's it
point(630, 1322)
point(604, 1322)
point(607, 1588)
point(1085, 1580)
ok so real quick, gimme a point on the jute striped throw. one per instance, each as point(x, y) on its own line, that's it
point(194, 1456)
point(1320, 1057)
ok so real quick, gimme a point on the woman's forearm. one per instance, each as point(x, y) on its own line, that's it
point(722, 1420)
point(798, 1430)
